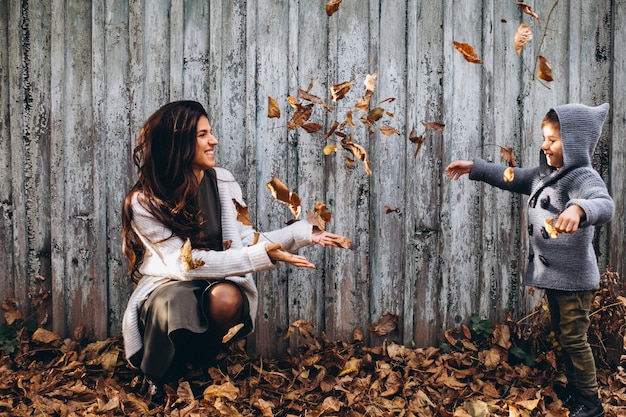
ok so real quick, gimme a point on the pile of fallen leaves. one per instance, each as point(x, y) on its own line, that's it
point(506, 370)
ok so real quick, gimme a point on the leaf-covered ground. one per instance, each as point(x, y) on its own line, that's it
point(508, 369)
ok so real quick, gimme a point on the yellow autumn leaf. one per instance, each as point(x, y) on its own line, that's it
point(273, 110)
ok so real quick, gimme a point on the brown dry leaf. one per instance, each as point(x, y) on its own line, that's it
point(468, 52)
point(315, 220)
point(502, 336)
point(331, 130)
point(11, 313)
point(225, 390)
point(419, 140)
point(300, 116)
point(232, 332)
point(227, 244)
point(548, 223)
point(508, 175)
point(545, 71)
point(330, 148)
point(312, 127)
point(363, 103)
point(527, 9)
point(242, 213)
point(42, 335)
point(370, 82)
point(388, 130)
point(339, 91)
point(281, 193)
point(433, 125)
point(322, 210)
point(391, 209)
point(332, 6)
point(358, 151)
point(523, 35)
point(373, 116)
point(265, 407)
point(304, 328)
point(349, 119)
point(186, 257)
point(349, 161)
point(273, 110)
point(508, 156)
point(387, 323)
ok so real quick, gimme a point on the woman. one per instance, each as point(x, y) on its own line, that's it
point(180, 313)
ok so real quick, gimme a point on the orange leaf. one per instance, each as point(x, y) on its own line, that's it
point(364, 102)
point(527, 9)
point(338, 91)
point(322, 210)
point(433, 125)
point(358, 151)
point(332, 7)
point(544, 72)
point(508, 174)
point(468, 52)
point(388, 131)
point(242, 213)
point(523, 35)
point(281, 193)
point(509, 157)
point(387, 323)
point(548, 223)
point(331, 130)
point(312, 127)
point(300, 116)
point(273, 111)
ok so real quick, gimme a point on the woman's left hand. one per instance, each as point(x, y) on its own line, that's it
point(324, 238)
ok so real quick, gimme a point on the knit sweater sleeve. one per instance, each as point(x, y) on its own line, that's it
point(162, 257)
point(493, 174)
point(589, 192)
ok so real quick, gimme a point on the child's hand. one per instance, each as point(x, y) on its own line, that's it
point(569, 219)
point(458, 168)
point(275, 253)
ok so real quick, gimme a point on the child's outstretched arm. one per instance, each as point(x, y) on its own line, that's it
point(457, 168)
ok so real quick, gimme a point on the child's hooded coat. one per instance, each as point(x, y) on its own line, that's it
point(567, 262)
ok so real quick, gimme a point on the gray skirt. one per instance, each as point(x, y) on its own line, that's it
point(176, 331)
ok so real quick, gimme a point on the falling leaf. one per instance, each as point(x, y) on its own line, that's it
point(338, 91)
point(468, 52)
point(433, 125)
point(509, 157)
point(370, 82)
point(388, 131)
point(332, 7)
point(322, 210)
point(363, 103)
point(358, 151)
point(349, 162)
point(548, 223)
point(242, 213)
point(523, 35)
point(331, 130)
point(273, 111)
point(11, 312)
point(330, 148)
point(312, 127)
point(508, 175)
point(386, 324)
point(227, 244)
point(315, 220)
point(419, 140)
point(391, 209)
point(544, 72)
point(374, 115)
point(349, 119)
point(186, 257)
point(281, 193)
point(232, 332)
point(527, 9)
point(300, 116)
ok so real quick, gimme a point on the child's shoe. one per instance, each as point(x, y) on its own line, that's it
point(586, 406)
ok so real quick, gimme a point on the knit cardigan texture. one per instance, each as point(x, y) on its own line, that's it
point(567, 262)
point(162, 262)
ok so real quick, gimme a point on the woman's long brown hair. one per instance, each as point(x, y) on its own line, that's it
point(163, 156)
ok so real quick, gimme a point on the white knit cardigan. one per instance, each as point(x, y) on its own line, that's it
point(162, 262)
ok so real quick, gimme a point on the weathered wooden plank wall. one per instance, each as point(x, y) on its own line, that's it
point(78, 78)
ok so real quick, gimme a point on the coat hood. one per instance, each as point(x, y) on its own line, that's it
point(581, 127)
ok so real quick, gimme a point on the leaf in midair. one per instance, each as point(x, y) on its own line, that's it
point(357, 151)
point(388, 130)
point(544, 72)
point(300, 116)
point(391, 209)
point(312, 127)
point(468, 52)
point(281, 193)
point(339, 91)
point(386, 324)
point(242, 213)
point(370, 82)
point(433, 125)
point(322, 210)
point(273, 111)
point(349, 119)
point(332, 7)
point(527, 9)
point(186, 257)
point(508, 156)
point(331, 130)
point(363, 103)
point(419, 140)
point(523, 35)
point(315, 220)
point(330, 148)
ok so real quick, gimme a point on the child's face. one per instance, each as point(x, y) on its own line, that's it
point(552, 145)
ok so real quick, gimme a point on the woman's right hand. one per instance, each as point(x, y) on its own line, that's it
point(275, 253)
point(458, 168)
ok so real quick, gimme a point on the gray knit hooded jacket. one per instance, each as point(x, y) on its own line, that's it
point(567, 262)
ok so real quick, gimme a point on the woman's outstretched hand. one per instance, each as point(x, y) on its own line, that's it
point(458, 168)
point(275, 253)
point(324, 238)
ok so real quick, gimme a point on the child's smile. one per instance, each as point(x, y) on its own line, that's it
point(552, 146)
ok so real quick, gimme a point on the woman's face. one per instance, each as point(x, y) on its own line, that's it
point(205, 146)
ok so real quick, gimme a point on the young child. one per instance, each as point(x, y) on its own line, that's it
point(568, 194)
